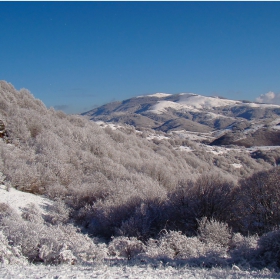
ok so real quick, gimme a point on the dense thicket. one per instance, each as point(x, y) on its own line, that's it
point(117, 183)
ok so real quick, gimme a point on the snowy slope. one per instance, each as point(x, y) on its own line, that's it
point(18, 200)
point(167, 112)
point(195, 103)
point(204, 102)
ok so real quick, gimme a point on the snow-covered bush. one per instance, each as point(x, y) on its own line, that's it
point(173, 245)
point(23, 234)
point(57, 213)
point(9, 254)
point(61, 241)
point(31, 213)
point(243, 249)
point(147, 220)
point(2, 178)
point(6, 211)
point(269, 249)
point(212, 231)
point(127, 247)
point(257, 202)
point(40, 242)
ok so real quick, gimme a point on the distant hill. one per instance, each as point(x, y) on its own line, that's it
point(238, 122)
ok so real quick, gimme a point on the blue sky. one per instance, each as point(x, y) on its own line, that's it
point(77, 55)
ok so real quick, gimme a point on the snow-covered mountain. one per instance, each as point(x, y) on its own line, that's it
point(226, 121)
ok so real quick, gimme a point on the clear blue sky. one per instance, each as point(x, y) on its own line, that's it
point(76, 55)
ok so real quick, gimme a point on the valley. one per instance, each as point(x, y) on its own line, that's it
point(183, 185)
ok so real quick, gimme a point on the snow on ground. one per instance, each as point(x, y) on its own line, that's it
point(276, 127)
point(111, 125)
point(212, 115)
point(162, 106)
point(236, 165)
point(275, 122)
point(262, 148)
point(184, 148)
point(253, 128)
point(18, 200)
point(194, 136)
point(217, 150)
point(122, 271)
point(221, 132)
point(204, 102)
point(159, 137)
point(192, 103)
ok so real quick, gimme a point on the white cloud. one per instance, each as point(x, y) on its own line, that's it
point(269, 97)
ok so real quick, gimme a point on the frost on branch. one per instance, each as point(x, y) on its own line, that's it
point(127, 247)
point(9, 254)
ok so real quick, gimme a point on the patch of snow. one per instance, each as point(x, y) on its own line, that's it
point(100, 123)
point(114, 126)
point(262, 148)
point(18, 200)
point(159, 137)
point(184, 148)
point(275, 122)
point(195, 136)
point(217, 152)
point(236, 165)
point(219, 133)
point(277, 127)
point(253, 129)
point(193, 103)
point(161, 107)
point(203, 102)
point(111, 125)
point(212, 115)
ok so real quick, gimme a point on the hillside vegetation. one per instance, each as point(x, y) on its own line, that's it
point(118, 194)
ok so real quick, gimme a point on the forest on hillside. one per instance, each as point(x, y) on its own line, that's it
point(117, 194)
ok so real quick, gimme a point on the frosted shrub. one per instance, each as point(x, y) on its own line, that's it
point(6, 211)
point(24, 234)
point(175, 245)
point(127, 247)
point(2, 178)
point(58, 213)
point(31, 213)
point(243, 248)
point(258, 200)
point(147, 221)
point(209, 196)
point(46, 243)
point(9, 254)
point(269, 249)
point(212, 231)
point(64, 244)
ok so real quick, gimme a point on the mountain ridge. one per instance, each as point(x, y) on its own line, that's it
point(194, 113)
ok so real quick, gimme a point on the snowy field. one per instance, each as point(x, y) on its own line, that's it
point(115, 271)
